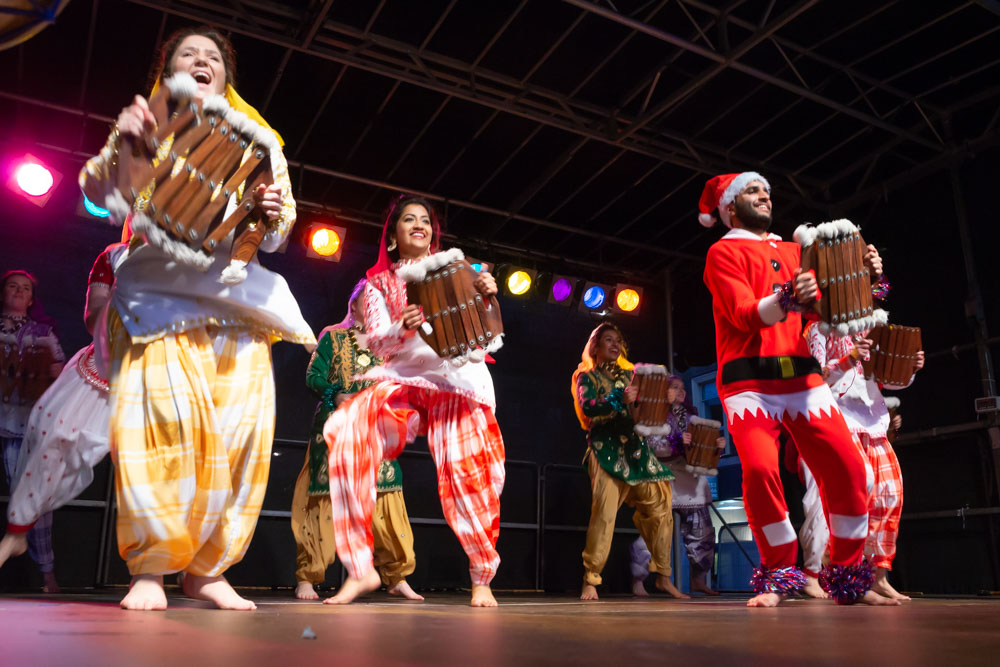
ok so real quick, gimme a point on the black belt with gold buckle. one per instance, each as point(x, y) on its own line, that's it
point(768, 368)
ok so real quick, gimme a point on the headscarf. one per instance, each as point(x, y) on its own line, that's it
point(384, 262)
point(355, 295)
point(237, 103)
point(588, 363)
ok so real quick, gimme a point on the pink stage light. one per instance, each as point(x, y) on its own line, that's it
point(34, 179)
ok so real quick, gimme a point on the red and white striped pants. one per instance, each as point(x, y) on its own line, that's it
point(886, 502)
point(468, 451)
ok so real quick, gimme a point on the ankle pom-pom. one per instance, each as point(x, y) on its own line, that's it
point(782, 580)
point(847, 583)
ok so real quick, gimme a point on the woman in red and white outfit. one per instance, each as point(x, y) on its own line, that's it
point(416, 392)
point(66, 435)
point(867, 417)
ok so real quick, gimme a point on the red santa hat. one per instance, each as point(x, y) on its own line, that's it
point(720, 191)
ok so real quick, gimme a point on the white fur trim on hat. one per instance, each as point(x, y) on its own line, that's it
point(706, 219)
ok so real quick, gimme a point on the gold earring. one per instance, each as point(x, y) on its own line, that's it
point(391, 246)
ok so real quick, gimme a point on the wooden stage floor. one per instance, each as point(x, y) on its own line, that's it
point(89, 629)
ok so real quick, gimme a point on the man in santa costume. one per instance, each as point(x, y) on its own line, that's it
point(768, 381)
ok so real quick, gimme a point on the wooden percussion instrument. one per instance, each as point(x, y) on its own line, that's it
point(893, 354)
point(653, 384)
point(460, 324)
point(702, 455)
point(28, 373)
point(201, 154)
point(835, 251)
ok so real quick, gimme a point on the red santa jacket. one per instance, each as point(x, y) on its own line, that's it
point(740, 270)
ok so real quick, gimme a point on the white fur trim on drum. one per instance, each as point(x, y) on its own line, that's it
point(805, 234)
point(704, 422)
point(849, 527)
point(235, 273)
point(181, 85)
point(118, 209)
point(651, 369)
point(417, 271)
point(646, 431)
point(859, 325)
point(778, 533)
point(155, 236)
point(215, 104)
point(892, 402)
point(477, 355)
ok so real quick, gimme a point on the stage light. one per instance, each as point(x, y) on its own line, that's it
point(479, 265)
point(596, 297)
point(561, 290)
point(627, 299)
point(518, 282)
point(94, 209)
point(33, 179)
point(325, 242)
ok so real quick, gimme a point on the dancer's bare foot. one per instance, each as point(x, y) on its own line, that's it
point(765, 600)
point(876, 600)
point(664, 584)
point(881, 586)
point(482, 596)
point(12, 544)
point(702, 587)
point(589, 592)
point(145, 593)
point(305, 591)
point(813, 589)
point(403, 590)
point(49, 584)
point(639, 588)
point(215, 590)
point(354, 588)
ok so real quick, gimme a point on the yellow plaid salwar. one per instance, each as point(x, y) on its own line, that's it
point(191, 431)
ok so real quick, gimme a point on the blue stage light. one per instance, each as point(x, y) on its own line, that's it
point(94, 209)
point(594, 297)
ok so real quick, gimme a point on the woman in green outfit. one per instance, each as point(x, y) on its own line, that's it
point(342, 354)
point(621, 466)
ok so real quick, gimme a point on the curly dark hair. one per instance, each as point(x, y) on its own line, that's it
point(169, 48)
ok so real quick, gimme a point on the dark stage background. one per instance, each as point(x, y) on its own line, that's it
point(570, 137)
point(944, 473)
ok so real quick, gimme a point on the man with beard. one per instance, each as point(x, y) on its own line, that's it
point(768, 381)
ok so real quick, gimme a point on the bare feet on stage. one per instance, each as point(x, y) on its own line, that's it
point(698, 587)
point(881, 585)
point(482, 596)
point(215, 590)
point(354, 588)
point(874, 599)
point(12, 544)
point(49, 584)
point(813, 589)
point(589, 592)
point(403, 590)
point(664, 584)
point(145, 593)
point(765, 600)
point(305, 591)
point(638, 588)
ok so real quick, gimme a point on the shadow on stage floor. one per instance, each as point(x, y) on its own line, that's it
point(90, 629)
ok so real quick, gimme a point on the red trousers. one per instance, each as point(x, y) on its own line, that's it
point(812, 419)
